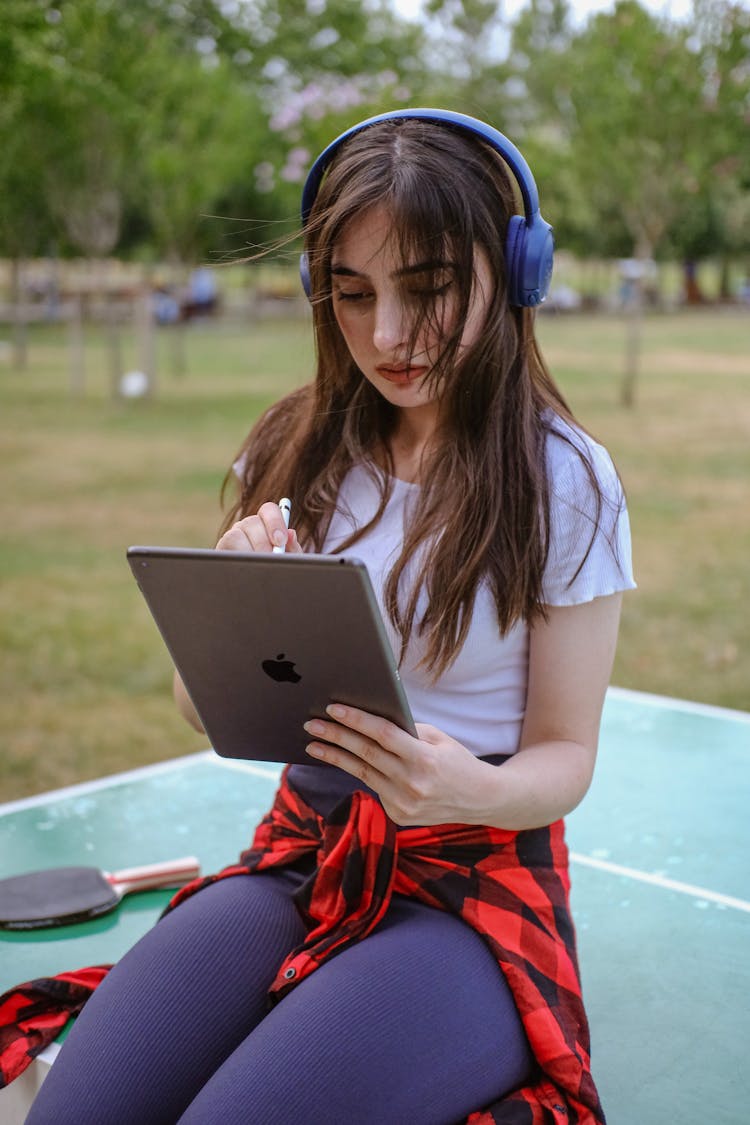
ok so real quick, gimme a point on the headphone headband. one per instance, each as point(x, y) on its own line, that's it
point(529, 245)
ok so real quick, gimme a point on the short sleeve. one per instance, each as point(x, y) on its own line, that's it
point(590, 552)
point(239, 467)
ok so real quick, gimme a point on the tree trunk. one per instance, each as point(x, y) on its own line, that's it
point(20, 332)
point(144, 328)
point(177, 331)
point(633, 278)
point(692, 290)
point(77, 354)
point(114, 348)
point(178, 349)
point(633, 335)
point(101, 290)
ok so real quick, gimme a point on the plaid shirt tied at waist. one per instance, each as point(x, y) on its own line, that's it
point(511, 887)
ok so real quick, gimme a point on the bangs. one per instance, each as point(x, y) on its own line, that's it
point(427, 232)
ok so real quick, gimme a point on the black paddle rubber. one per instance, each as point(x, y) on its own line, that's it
point(55, 897)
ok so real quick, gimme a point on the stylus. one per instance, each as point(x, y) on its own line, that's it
point(286, 510)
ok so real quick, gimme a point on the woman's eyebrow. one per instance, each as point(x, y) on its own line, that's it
point(431, 266)
point(404, 271)
point(345, 271)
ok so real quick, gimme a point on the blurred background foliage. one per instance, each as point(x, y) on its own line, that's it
point(177, 129)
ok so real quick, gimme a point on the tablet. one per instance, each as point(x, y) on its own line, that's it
point(264, 642)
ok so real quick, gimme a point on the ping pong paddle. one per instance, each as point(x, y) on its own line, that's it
point(61, 896)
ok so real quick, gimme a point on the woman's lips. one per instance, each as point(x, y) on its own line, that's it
point(403, 373)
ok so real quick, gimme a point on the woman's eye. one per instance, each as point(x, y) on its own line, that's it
point(430, 285)
point(347, 295)
point(430, 292)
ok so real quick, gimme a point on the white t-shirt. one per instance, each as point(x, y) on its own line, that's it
point(481, 698)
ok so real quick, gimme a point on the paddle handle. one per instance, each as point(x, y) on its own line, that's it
point(170, 873)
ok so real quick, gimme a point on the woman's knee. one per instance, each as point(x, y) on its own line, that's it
point(175, 1006)
point(415, 1023)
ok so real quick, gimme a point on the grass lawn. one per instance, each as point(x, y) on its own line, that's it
point(85, 677)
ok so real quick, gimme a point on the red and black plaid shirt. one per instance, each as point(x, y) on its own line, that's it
point(511, 887)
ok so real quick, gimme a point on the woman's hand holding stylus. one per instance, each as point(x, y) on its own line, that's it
point(268, 530)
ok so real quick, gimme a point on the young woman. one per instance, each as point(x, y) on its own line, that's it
point(404, 904)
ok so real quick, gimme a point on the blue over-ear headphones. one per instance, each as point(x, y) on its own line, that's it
point(528, 245)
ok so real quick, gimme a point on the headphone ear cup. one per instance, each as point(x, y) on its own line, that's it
point(514, 240)
point(304, 275)
point(529, 250)
point(539, 250)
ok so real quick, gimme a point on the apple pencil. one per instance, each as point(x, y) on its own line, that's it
point(286, 510)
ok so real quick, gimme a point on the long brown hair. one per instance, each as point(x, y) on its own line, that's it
point(484, 506)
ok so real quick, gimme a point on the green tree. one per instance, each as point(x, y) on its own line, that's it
point(467, 28)
point(720, 210)
point(26, 93)
point(197, 133)
point(318, 66)
point(632, 91)
point(301, 41)
point(200, 133)
point(538, 109)
point(633, 85)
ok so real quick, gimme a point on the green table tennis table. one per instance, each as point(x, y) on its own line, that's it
point(661, 894)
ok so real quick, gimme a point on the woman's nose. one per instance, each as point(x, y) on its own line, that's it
point(390, 330)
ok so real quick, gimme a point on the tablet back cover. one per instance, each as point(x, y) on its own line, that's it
point(264, 642)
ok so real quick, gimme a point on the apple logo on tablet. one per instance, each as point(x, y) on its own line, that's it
point(281, 670)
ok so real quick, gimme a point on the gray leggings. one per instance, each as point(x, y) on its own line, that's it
point(415, 1025)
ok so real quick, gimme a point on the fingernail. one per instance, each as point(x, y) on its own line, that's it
point(279, 538)
point(314, 726)
point(336, 710)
